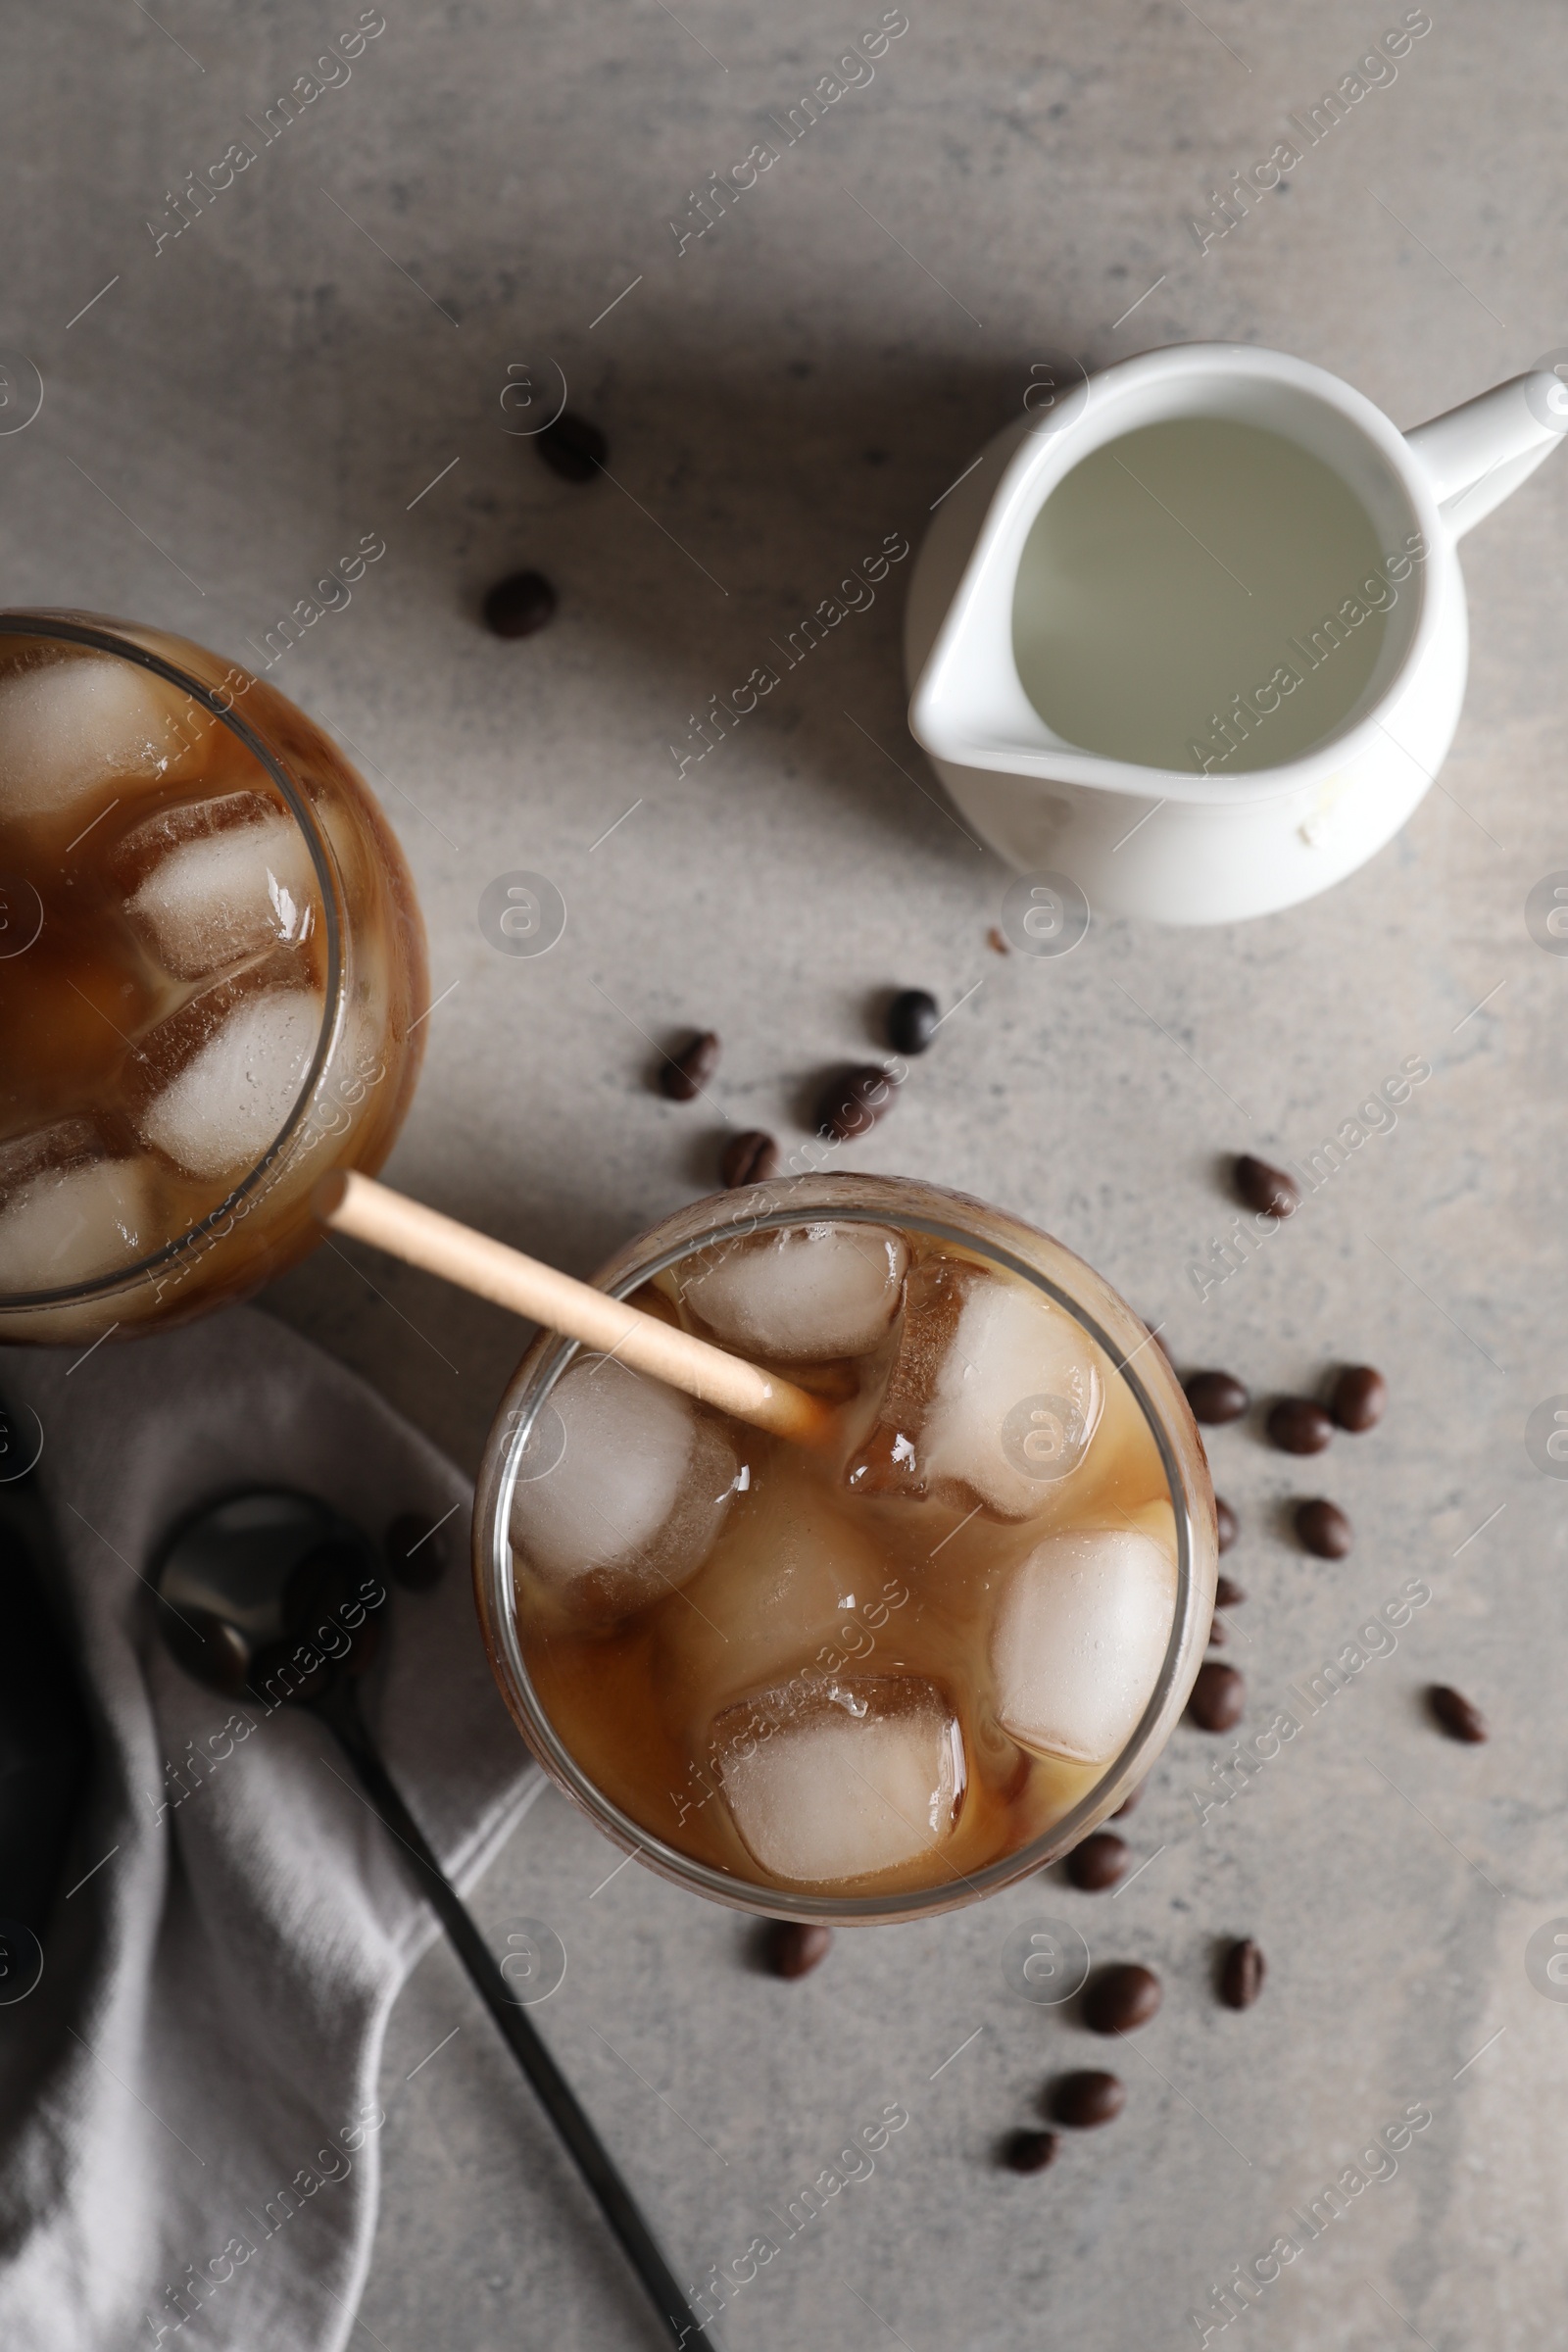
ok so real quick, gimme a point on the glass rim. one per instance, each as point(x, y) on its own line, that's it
point(16, 621)
point(538, 1374)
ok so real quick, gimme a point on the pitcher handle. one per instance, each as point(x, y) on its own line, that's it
point(1476, 454)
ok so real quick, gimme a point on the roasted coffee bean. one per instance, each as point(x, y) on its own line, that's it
point(749, 1158)
point(1219, 1698)
point(1225, 1523)
point(796, 1946)
point(518, 604)
point(1133, 1797)
point(1084, 2100)
point(852, 1104)
point(1217, 1636)
point(279, 1664)
point(1240, 1979)
point(1216, 1396)
point(683, 1076)
point(996, 942)
point(911, 1022)
point(1268, 1190)
point(1296, 1425)
point(1359, 1395)
point(1120, 1998)
point(572, 447)
point(1458, 1718)
point(415, 1552)
point(1227, 1594)
point(1098, 1862)
point(1323, 1529)
point(1029, 2151)
point(211, 1649)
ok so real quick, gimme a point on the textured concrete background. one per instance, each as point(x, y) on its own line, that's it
point(244, 401)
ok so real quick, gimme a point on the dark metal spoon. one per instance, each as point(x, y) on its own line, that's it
point(47, 1740)
point(275, 1594)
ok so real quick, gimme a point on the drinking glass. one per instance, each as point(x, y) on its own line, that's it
point(520, 1445)
point(146, 743)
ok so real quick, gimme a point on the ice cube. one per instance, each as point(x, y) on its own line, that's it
point(69, 726)
point(67, 1212)
point(841, 1779)
point(1078, 1640)
point(227, 1100)
point(632, 1505)
point(809, 1291)
point(994, 1398)
point(795, 1582)
point(933, 1302)
point(218, 880)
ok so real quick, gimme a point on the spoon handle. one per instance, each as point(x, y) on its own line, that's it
point(341, 1710)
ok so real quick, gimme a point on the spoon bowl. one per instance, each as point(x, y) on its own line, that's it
point(251, 1583)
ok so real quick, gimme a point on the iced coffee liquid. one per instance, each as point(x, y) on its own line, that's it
point(880, 1665)
point(162, 1022)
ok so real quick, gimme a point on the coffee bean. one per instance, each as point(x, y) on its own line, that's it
point(518, 604)
point(1120, 1998)
point(278, 1659)
point(1133, 1797)
point(1268, 1190)
point(749, 1158)
point(852, 1103)
point(211, 1649)
point(1296, 1425)
point(573, 448)
point(1084, 2100)
point(683, 1076)
point(1458, 1718)
point(996, 942)
point(1216, 1396)
point(1219, 1698)
point(1227, 1594)
point(1029, 2151)
point(1240, 1979)
point(796, 1946)
point(1217, 1635)
point(1225, 1523)
point(1323, 1529)
point(416, 1553)
point(911, 1022)
point(1359, 1395)
point(1098, 1862)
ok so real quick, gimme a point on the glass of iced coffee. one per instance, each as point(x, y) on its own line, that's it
point(211, 975)
point(880, 1676)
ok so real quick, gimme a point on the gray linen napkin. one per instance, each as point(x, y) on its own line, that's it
point(188, 2101)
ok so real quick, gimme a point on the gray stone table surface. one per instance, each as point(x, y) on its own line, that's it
point(321, 353)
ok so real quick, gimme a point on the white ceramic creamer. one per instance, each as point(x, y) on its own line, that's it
point(1195, 639)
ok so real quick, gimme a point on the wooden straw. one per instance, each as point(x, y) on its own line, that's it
point(421, 1237)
